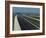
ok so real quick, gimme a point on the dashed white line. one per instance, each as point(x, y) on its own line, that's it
point(31, 17)
point(32, 23)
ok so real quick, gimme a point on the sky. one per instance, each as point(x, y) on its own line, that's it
point(25, 10)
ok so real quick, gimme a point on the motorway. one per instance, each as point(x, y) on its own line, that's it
point(27, 23)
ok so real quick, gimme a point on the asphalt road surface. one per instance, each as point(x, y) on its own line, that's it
point(26, 23)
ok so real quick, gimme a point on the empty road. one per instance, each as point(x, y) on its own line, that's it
point(26, 23)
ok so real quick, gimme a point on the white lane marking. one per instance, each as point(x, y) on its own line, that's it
point(35, 23)
point(32, 23)
point(16, 24)
point(35, 16)
point(31, 17)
